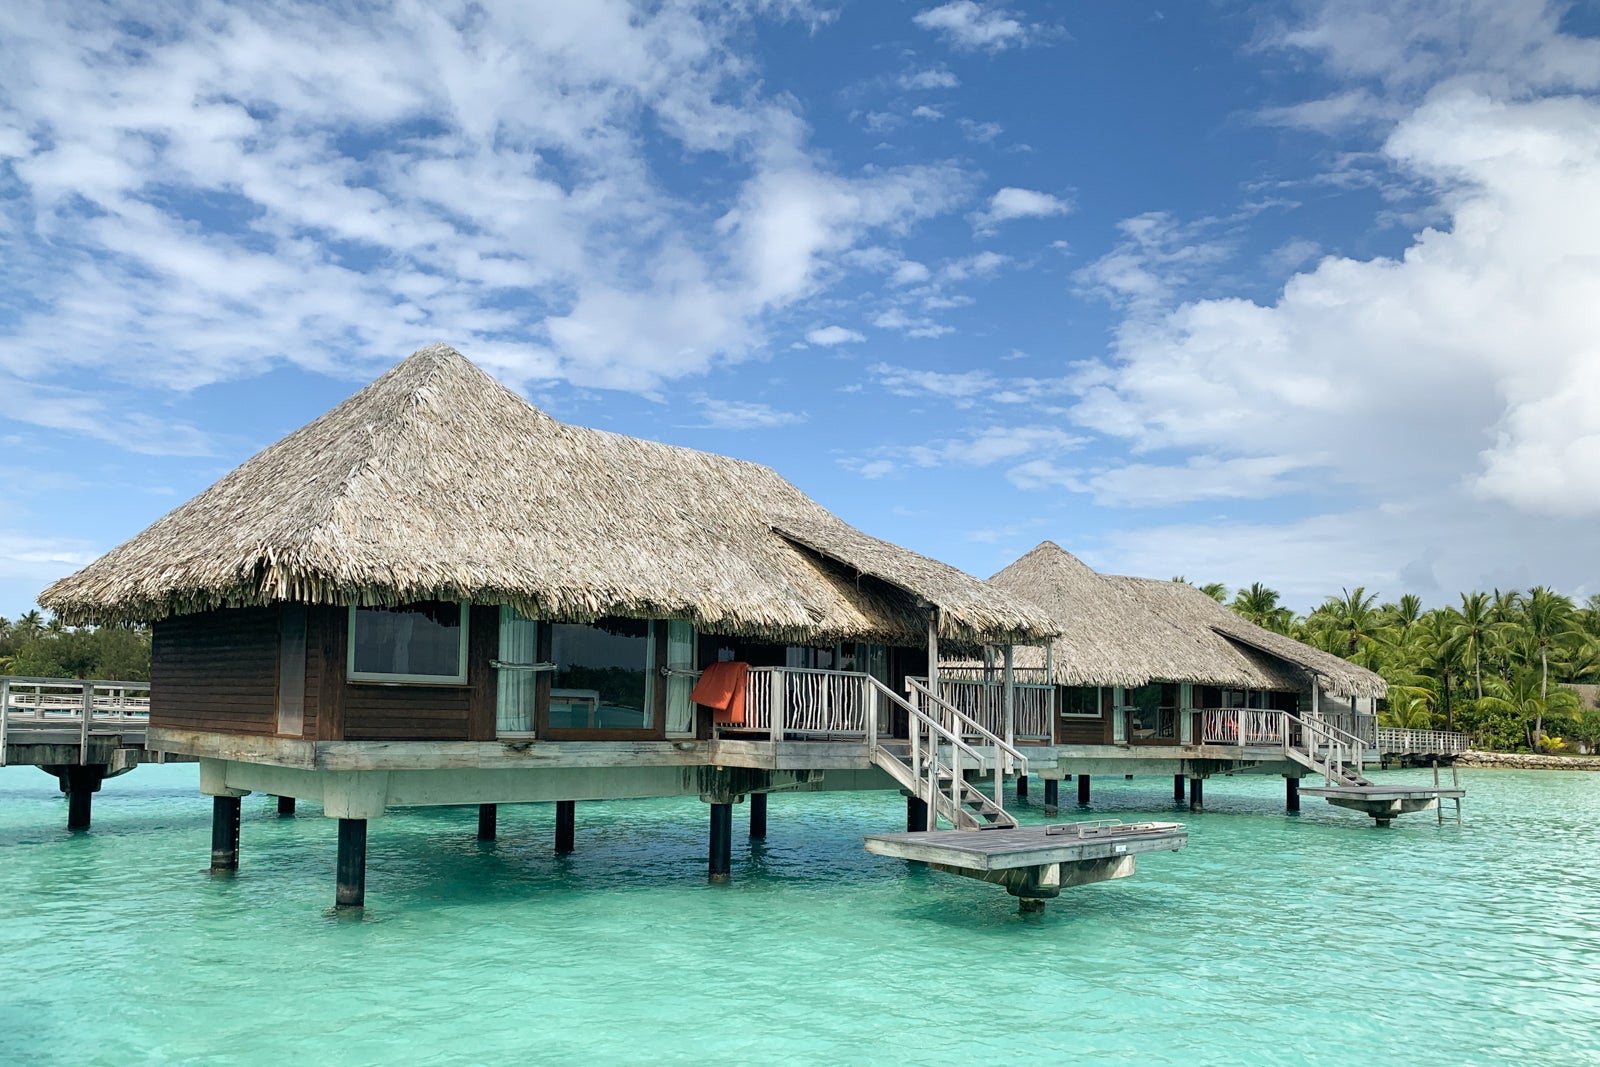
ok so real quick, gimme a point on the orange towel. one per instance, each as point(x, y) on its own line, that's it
point(721, 688)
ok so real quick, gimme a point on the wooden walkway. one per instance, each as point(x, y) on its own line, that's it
point(81, 731)
point(1034, 863)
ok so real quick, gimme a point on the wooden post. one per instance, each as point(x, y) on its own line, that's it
point(1083, 789)
point(5, 715)
point(1011, 703)
point(352, 887)
point(721, 855)
point(758, 815)
point(566, 826)
point(487, 815)
point(286, 805)
point(1022, 786)
point(225, 833)
point(1291, 793)
point(81, 784)
point(88, 722)
point(916, 813)
point(1177, 788)
point(1197, 794)
point(1052, 796)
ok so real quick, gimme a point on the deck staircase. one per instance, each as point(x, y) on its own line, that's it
point(945, 744)
point(1326, 749)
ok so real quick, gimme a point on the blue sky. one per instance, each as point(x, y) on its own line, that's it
point(1303, 293)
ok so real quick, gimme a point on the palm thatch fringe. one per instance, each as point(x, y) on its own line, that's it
point(437, 483)
point(1132, 631)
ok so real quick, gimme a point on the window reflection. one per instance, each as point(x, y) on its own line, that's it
point(420, 642)
point(604, 677)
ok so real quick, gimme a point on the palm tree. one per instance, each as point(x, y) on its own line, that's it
point(1260, 605)
point(29, 626)
point(1215, 590)
point(1548, 624)
point(1439, 655)
point(1525, 701)
point(1476, 631)
point(1348, 623)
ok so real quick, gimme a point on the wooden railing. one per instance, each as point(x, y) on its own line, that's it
point(1157, 726)
point(810, 703)
point(1392, 740)
point(1359, 724)
point(1240, 726)
point(984, 701)
point(29, 705)
point(939, 758)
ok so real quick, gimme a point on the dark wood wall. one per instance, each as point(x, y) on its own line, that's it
point(218, 671)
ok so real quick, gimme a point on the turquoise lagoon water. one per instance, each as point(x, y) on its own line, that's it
point(1272, 939)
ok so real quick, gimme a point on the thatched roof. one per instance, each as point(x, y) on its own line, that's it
point(436, 482)
point(1132, 631)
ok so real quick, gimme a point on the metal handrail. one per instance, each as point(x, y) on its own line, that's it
point(999, 743)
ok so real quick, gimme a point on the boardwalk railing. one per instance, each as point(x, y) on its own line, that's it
point(1394, 741)
point(1241, 726)
point(809, 703)
point(984, 701)
point(59, 705)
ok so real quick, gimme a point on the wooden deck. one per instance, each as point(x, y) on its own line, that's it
point(1029, 846)
point(1034, 863)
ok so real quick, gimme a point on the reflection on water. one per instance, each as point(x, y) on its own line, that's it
point(1271, 939)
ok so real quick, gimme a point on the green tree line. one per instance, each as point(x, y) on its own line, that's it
point(36, 647)
point(1498, 665)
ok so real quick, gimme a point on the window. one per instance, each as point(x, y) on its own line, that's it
point(1080, 702)
point(420, 644)
point(605, 677)
point(516, 686)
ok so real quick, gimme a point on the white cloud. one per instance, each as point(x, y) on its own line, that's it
point(744, 415)
point(965, 24)
point(1013, 203)
point(1153, 485)
point(923, 111)
point(911, 326)
point(909, 381)
point(1156, 259)
point(1469, 362)
point(931, 78)
point(276, 183)
point(1504, 47)
point(33, 558)
point(982, 265)
point(981, 132)
point(1330, 114)
point(834, 335)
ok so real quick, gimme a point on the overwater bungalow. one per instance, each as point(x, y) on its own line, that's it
point(1155, 677)
point(436, 594)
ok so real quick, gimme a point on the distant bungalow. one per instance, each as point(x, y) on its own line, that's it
point(436, 594)
point(1151, 676)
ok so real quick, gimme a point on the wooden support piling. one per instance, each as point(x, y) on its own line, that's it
point(721, 854)
point(1197, 794)
point(566, 826)
point(1083, 789)
point(1178, 781)
point(488, 814)
point(286, 805)
point(225, 833)
point(916, 813)
point(1022, 786)
point(758, 815)
point(80, 782)
point(352, 888)
point(1291, 793)
point(1052, 796)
